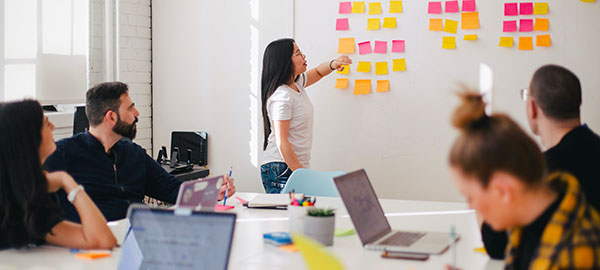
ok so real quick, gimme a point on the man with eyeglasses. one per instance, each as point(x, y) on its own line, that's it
point(552, 104)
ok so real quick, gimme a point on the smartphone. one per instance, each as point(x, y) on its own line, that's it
point(405, 255)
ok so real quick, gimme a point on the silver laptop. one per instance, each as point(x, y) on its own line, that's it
point(371, 224)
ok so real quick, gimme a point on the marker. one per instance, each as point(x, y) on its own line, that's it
point(227, 186)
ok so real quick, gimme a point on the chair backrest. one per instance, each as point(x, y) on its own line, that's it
point(80, 121)
point(312, 183)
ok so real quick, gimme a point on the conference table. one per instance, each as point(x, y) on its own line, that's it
point(250, 252)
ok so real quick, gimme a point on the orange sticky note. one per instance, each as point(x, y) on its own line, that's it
point(399, 64)
point(470, 20)
point(381, 68)
point(525, 43)
point(362, 87)
point(506, 42)
point(341, 83)
point(364, 66)
point(450, 26)
point(346, 69)
point(395, 6)
point(91, 255)
point(436, 24)
point(543, 41)
point(449, 42)
point(373, 24)
point(358, 7)
point(383, 86)
point(540, 8)
point(289, 248)
point(541, 24)
point(389, 22)
point(374, 8)
point(346, 45)
point(470, 37)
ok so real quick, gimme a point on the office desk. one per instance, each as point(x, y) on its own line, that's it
point(249, 251)
point(195, 173)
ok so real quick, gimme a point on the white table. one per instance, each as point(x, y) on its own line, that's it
point(250, 252)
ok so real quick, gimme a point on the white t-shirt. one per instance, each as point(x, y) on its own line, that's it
point(287, 104)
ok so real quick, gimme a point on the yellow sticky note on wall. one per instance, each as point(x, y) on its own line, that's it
point(506, 42)
point(395, 6)
point(540, 8)
point(436, 24)
point(373, 24)
point(358, 7)
point(450, 26)
point(449, 42)
point(543, 41)
point(341, 83)
point(470, 37)
point(389, 22)
point(381, 68)
point(362, 87)
point(525, 43)
point(364, 66)
point(346, 45)
point(399, 65)
point(346, 70)
point(374, 8)
point(383, 86)
point(470, 20)
point(541, 24)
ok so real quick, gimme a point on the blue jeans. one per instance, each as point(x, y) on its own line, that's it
point(274, 176)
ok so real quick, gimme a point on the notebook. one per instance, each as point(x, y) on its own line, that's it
point(273, 201)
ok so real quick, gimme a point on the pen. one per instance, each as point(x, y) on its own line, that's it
point(227, 186)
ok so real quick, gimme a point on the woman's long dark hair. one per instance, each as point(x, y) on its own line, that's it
point(277, 70)
point(27, 210)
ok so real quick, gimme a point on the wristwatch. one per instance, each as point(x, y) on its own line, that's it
point(73, 193)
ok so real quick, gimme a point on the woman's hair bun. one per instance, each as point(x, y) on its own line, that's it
point(470, 111)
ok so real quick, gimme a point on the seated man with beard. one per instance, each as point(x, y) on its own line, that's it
point(114, 171)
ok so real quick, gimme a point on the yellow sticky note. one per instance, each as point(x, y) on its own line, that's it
point(450, 26)
point(436, 24)
point(346, 70)
point(315, 256)
point(525, 43)
point(389, 22)
point(383, 86)
point(470, 37)
point(395, 6)
point(373, 24)
point(470, 20)
point(381, 68)
point(480, 250)
point(361, 87)
point(374, 8)
point(346, 45)
point(506, 42)
point(449, 42)
point(358, 7)
point(540, 8)
point(541, 24)
point(364, 66)
point(543, 41)
point(588, 1)
point(341, 83)
point(399, 65)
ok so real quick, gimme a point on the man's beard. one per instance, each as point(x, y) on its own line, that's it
point(124, 129)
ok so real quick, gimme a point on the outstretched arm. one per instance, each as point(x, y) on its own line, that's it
point(324, 69)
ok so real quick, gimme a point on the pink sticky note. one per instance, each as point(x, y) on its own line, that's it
point(511, 9)
point(452, 6)
point(526, 25)
point(468, 5)
point(510, 26)
point(345, 7)
point(220, 207)
point(398, 46)
point(341, 24)
point(526, 8)
point(364, 47)
point(435, 7)
point(380, 46)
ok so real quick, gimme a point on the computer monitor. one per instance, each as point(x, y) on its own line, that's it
point(193, 140)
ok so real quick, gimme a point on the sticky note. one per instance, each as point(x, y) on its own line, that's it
point(435, 24)
point(220, 207)
point(525, 25)
point(450, 26)
point(389, 22)
point(543, 41)
point(452, 6)
point(374, 8)
point(468, 5)
point(526, 8)
point(541, 24)
point(362, 87)
point(525, 43)
point(345, 70)
point(380, 46)
point(470, 37)
point(364, 66)
point(506, 42)
point(398, 46)
point(480, 250)
point(540, 8)
point(383, 86)
point(509, 26)
point(92, 255)
point(588, 1)
point(341, 232)
point(289, 248)
point(358, 7)
point(448, 43)
point(395, 6)
point(315, 256)
point(364, 47)
point(435, 8)
point(470, 20)
point(399, 64)
point(345, 7)
point(341, 83)
point(346, 45)
point(373, 24)
point(341, 24)
point(381, 68)
point(511, 9)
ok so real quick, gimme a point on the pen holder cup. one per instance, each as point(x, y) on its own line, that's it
point(297, 215)
point(320, 229)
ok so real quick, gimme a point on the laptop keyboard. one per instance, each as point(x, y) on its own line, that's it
point(403, 239)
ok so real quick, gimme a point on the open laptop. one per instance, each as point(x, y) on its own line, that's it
point(200, 194)
point(176, 239)
point(371, 224)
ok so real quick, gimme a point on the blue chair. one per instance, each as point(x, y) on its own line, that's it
point(312, 183)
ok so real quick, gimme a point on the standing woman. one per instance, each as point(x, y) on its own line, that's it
point(29, 213)
point(287, 110)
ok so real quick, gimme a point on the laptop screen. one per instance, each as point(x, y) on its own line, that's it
point(361, 202)
point(162, 239)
